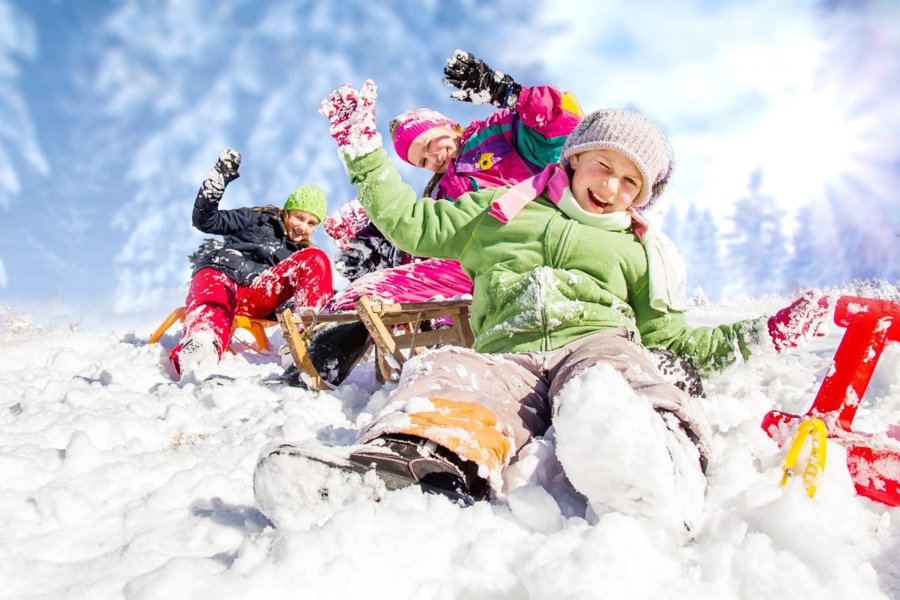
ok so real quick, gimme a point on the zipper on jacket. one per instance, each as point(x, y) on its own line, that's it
point(552, 259)
point(545, 329)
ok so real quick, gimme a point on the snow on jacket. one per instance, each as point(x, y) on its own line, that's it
point(509, 146)
point(542, 280)
point(254, 240)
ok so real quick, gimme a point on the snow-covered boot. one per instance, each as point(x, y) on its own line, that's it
point(196, 357)
point(334, 350)
point(627, 457)
point(321, 479)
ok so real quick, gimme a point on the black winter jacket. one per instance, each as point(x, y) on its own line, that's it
point(254, 240)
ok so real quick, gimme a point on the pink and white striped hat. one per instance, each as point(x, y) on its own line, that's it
point(408, 126)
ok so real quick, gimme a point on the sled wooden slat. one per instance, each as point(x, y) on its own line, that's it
point(398, 334)
point(297, 348)
point(396, 329)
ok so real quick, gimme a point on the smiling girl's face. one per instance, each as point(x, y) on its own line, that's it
point(300, 225)
point(604, 181)
point(434, 149)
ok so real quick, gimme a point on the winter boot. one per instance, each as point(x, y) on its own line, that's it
point(404, 460)
point(397, 460)
point(196, 356)
point(678, 371)
point(334, 350)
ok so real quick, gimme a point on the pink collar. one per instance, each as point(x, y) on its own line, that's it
point(554, 180)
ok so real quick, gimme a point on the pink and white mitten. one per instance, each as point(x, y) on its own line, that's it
point(343, 225)
point(798, 323)
point(352, 116)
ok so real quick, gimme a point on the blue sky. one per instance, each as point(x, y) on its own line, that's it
point(111, 112)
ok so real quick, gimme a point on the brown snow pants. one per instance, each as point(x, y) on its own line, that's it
point(485, 407)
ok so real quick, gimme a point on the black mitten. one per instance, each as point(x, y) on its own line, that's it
point(678, 371)
point(228, 164)
point(478, 83)
point(225, 171)
point(362, 256)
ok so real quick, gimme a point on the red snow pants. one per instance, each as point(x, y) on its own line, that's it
point(214, 299)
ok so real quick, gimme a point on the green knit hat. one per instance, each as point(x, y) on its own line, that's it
point(310, 198)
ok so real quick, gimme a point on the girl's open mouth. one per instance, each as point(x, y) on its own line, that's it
point(598, 200)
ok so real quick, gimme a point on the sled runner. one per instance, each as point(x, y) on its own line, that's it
point(256, 327)
point(872, 459)
point(399, 331)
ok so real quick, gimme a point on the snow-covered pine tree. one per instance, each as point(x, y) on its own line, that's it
point(700, 245)
point(756, 245)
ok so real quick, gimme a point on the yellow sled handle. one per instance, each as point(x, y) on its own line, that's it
point(815, 466)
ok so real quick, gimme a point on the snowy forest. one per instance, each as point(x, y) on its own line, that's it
point(758, 256)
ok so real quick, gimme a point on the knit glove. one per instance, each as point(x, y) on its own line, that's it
point(364, 255)
point(225, 171)
point(342, 225)
point(796, 324)
point(352, 116)
point(478, 83)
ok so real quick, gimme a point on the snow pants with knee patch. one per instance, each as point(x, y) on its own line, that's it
point(485, 407)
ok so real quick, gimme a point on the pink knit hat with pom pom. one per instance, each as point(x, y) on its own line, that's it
point(408, 126)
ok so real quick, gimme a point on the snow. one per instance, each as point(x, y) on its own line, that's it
point(120, 483)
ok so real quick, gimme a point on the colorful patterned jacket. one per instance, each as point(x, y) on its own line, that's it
point(511, 146)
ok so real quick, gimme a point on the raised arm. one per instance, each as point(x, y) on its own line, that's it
point(546, 114)
point(206, 216)
point(422, 227)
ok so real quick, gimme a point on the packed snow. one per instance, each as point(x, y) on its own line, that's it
point(120, 482)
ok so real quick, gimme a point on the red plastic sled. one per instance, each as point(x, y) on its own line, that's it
point(873, 460)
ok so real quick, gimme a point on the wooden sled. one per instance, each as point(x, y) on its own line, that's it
point(872, 460)
point(399, 330)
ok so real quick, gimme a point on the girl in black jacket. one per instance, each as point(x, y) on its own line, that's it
point(265, 259)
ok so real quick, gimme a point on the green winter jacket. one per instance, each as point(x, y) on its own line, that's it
point(542, 280)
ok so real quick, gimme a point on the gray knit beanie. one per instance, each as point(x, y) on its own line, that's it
point(633, 135)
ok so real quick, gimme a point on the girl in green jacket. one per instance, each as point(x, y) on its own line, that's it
point(567, 278)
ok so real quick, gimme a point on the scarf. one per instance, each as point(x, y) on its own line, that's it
point(666, 282)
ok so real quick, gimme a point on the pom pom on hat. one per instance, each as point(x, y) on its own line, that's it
point(309, 198)
point(632, 134)
point(411, 124)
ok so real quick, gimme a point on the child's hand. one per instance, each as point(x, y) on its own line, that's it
point(352, 117)
point(337, 229)
point(224, 172)
point(798, 323)
point(362, 256)
point(228, 164)
point(344, 224)
point(478, 83)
